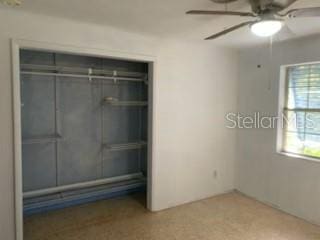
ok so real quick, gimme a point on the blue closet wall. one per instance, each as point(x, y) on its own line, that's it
point(66, 126)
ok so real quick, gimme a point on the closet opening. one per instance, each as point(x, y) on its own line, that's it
point(85, 131)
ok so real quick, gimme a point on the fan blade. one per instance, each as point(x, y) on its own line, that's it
point(229, 30)
point(303, 12)
point(204, 12)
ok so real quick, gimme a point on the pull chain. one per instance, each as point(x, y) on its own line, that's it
point(270, 62)
point(226, 9)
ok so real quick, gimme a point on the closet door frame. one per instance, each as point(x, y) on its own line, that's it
point(16, 45)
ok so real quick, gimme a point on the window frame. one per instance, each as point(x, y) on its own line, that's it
point(282, 105)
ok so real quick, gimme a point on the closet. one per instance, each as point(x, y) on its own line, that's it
point(84, 128)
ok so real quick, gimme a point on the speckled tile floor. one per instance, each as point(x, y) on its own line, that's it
point(226, 217)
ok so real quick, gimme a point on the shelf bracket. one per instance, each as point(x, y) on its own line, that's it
point(115, 74)
point(89, 74)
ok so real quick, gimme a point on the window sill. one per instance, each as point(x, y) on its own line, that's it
point(302, 157)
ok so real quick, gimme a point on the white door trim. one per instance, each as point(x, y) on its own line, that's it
point(18, 44)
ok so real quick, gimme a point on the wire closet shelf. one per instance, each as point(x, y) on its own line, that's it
point(87, 73)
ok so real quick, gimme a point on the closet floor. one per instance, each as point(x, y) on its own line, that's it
point(226, 217)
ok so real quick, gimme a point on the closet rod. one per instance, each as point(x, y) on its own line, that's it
point(115, 78)
point(126, 103)
point(75, 186)
point(125, 146)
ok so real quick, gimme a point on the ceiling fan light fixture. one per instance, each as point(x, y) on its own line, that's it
point(266, 28)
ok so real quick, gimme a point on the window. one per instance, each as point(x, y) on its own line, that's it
point(300, 128)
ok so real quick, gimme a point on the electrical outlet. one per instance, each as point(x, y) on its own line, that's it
point(215, 174)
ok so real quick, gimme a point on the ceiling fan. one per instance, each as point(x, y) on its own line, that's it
point(267, 13)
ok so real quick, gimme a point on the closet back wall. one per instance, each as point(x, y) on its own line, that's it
point(80, 129)
point(195, 85)
point(74, 123)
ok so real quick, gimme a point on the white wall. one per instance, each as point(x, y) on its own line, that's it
point(195, 87)
point(289, 183)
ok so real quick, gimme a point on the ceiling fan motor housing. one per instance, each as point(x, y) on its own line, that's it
point(269, 6)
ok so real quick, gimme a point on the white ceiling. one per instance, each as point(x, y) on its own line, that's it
point(167, 18)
